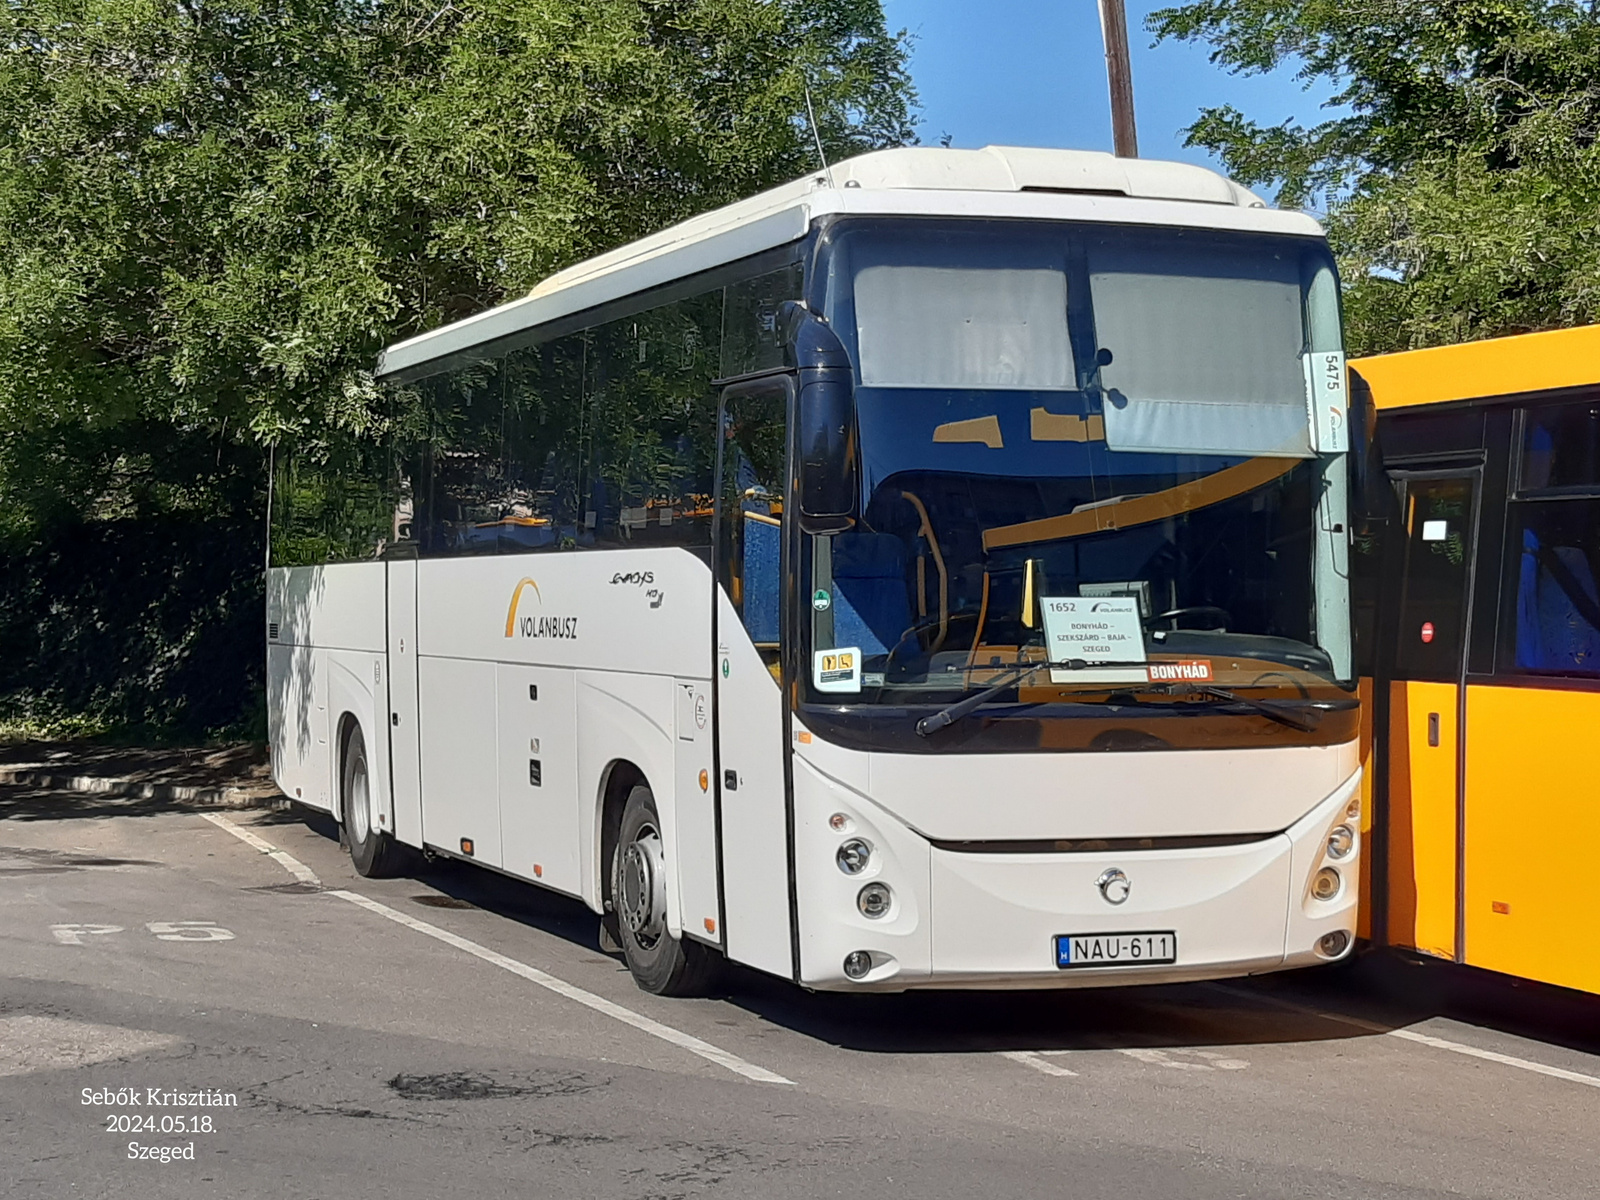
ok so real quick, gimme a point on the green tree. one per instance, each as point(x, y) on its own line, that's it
point(214, 213)
point(1460, 172)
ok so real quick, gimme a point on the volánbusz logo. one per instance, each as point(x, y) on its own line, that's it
point(532, 625)
point(1196, 669)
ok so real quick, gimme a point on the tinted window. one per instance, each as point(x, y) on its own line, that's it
point(752, 338)
point(333, 505)
point(1561, 448)
point(653, 418)
point(1438, 556)
point(753, 465)
point(1553, 604)
point(602, 438)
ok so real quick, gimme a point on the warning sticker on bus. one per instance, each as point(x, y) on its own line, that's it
point(837, 670)
point(1185, 670)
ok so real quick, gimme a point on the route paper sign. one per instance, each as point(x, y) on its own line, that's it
point(1095, 629)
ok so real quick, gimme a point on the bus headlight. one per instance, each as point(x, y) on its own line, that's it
point(1332, 945)
point(1341, 840)
point(853, 856)
point(1325, 884)
point(874, 900)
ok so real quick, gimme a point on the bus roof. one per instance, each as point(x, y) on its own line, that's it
point(1507, 366)
point(996, 181)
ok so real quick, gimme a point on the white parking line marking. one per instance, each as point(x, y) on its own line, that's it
point(288, 862)
point(1029, 1059)
point(562, 988)
point(1158, 1058)
point(73, 935)
point(1426, 1039)
point(1163, 1058)
point(189, 931)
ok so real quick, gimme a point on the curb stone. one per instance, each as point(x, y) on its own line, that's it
point(132, 789)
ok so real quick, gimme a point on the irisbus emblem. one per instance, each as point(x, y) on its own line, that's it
point(1114, 886)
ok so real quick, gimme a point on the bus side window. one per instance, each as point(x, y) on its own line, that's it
point(1556, 621)
point(754, 446)
point(1552, 589)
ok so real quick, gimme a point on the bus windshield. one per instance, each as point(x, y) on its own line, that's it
point(1051, 411)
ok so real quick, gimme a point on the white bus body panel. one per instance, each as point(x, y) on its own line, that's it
point(627, 717)
point(608, 638)
point(539, 825)
point(405, 744)
point(460, 780)
point(980, 919)
point(318, 613)
point(1165, 793)
point(755, 838)
point(695, 811)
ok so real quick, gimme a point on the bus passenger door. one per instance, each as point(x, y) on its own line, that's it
point(751, 748)
point(1439, 512)
point(405, 769)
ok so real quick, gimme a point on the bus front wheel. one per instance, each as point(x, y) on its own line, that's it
point(374, 853)
point(659, 962)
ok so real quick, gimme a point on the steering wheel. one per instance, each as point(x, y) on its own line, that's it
point(965, 614)
point(1222, 616)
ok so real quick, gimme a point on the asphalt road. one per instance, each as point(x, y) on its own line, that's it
point(457, 1034)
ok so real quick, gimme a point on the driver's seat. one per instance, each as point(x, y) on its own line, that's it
point(871, 600)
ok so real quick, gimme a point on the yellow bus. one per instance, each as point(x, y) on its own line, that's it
point(1478, 634)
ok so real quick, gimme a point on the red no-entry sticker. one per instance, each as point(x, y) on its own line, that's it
point(1427, 631)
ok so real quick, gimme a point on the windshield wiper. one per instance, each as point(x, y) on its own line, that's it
point(950, 715)
point(1279, 712)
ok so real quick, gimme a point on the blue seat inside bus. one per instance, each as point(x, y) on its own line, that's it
point(762, 546)
point(871, 608)
point(1552, 632)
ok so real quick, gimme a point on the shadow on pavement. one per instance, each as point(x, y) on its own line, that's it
point(929, 1022)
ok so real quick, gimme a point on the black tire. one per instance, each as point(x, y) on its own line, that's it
point(659, 962)
point(375, 854)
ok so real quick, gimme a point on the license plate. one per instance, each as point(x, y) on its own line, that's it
point(1116, 949)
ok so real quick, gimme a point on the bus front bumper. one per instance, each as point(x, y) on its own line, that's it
point(964, 919)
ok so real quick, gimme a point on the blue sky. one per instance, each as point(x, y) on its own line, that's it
point(1032, 73)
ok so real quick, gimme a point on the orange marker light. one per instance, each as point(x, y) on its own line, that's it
point(466, 847)
point(1501, 907)
point(803, 737)
point(711, 925)
point(705, 781)
point(538, 871)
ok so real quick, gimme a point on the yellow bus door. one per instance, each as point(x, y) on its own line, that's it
point(1424, 746)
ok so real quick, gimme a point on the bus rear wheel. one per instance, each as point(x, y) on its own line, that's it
point(374, 853)
point(659, 962)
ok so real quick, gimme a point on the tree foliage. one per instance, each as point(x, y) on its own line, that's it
point(213, 213)
point(1460, 171)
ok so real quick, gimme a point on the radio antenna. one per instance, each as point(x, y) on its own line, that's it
point(827, 171)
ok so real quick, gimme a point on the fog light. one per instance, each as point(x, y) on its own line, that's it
point(873, 900)
point(1331, 945)
point(853, 856)
point(1341, 840)
point(857, 963)
point(1325, 886)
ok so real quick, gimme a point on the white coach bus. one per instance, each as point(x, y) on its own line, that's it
point(930, 573)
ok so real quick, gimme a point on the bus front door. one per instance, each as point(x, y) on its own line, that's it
point(752, 749)
point(1424, 823)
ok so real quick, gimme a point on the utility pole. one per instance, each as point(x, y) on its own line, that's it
point(1119, 74)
